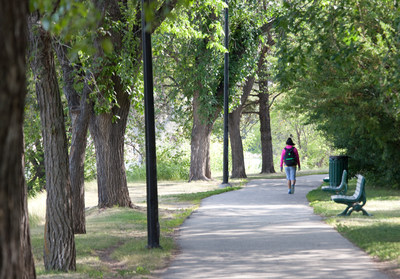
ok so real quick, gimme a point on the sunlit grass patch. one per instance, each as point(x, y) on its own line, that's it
point(169, 223)
point(117, 221)
point(197, 197)
point(37, 209)
point(377, 238)
point(135, 255)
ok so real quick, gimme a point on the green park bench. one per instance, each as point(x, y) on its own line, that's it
point(341, 189)
point(356, 201)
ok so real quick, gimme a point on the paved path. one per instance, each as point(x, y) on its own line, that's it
point(262, 232)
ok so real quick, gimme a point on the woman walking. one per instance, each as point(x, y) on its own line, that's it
point(290, 157)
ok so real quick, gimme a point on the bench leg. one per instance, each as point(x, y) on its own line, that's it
point(365, 212)
point(356, 208)
point(344, 213)
point(349, 213)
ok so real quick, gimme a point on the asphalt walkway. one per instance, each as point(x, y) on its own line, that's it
point(262, 232)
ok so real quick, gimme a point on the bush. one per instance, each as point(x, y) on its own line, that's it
point(171, 165)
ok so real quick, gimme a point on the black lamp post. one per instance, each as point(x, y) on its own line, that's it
point(226, 101)
point(153, 226)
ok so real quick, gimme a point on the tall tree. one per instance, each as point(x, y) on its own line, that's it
point(251, 23)
point(200, 168)
point(119, 85)
point(59, 243)
point(16, 259)
point(108, 126)
point(267, 156)
point(238, 166)
point(244, 33)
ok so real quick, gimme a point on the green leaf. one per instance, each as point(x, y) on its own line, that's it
point(107, 45)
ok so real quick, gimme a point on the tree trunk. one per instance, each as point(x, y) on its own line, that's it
point(267, 165)
point(77, 163)
point(200, 168)
point(79, 108)
point(238, 166)
point(16, 259)
point(108, 135)
point(108, 139)
point(28, 270)
point(266, 137)
point(59, 244)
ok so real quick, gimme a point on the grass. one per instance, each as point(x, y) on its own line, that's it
point(116, 239)
point(378, 235)
point(197, 197)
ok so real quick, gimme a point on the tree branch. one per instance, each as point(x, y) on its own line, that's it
point(250, 112)
point(162, 13)
point(267, 26)
point(273, 99)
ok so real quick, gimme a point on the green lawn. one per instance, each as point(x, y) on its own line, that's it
point(116, 239)
point(378, 235)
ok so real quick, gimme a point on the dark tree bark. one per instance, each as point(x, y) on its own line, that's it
point(238, 166)
point(267, 165)
point(109, 142)
point(16, 259)
point(79, 108)
point(59, 242)
point(200, 168)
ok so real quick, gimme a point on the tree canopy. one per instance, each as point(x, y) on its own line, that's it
point(339, 63)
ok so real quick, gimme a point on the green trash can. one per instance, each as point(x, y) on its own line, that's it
point(337, 164)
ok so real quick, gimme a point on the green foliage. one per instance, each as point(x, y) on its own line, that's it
point(68, 19)
point(339, 64)
point(187, 51)
point(314, 150)
point(244, 35)
point(34, 154)
point(90, 161)
point(172, 164)
point(136, 173)
point(189, 54)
